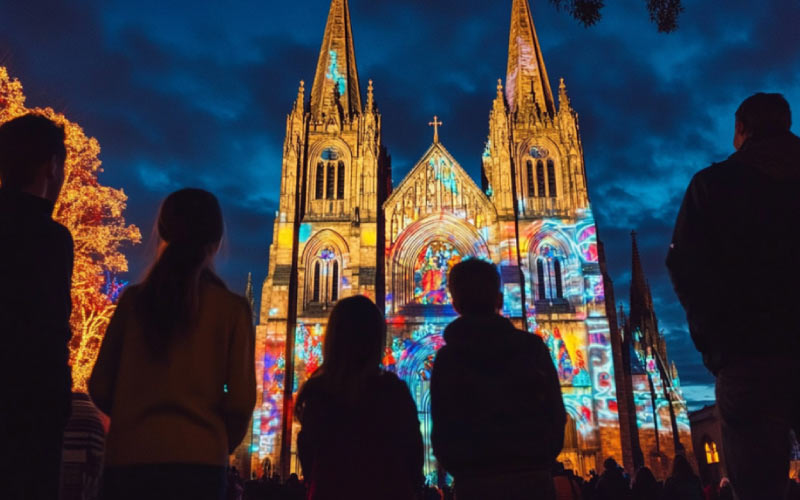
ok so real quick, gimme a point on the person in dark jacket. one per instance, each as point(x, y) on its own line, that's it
point(36, 256)
point(645, 486)
point(612, 484)
point(360, 435)
point(733, 265)
point(683, 483)
point(498, 416)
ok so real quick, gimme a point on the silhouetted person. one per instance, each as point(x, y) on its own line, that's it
point(683, 483)
point(565, 484)
point(176, 368)
point(498, 415)
point(612, 484)
point(645, 486)
point(36, 256)
point(732, 263)
point(360, 436)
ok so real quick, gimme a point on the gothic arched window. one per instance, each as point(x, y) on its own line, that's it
point(559, 284)
point(326, 281)
point(551, 178)
point(529, 178)
point(540, 280)
point(320, 181)
point(330, 182)
point(540, 178)
point(712, 454)
point(549, 275)
point(315, 285)
point(340, 181)
point(335, 282)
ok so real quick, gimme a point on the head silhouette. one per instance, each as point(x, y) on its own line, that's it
point(354, 340)
point(190, 226)
point(681, 468)
point(474, 286)
point(761, 116)
point(644, 479)
point(32, 155)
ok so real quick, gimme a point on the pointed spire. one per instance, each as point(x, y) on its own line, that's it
point(336, 78)
point(499, 104)
point(642, 315)
point(299, 103)
point(526, 73)
point(370, 99)
point(563, 100)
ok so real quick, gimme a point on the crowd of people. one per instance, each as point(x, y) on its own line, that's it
point(176, 370)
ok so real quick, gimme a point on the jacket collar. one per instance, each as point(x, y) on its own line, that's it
point(27, 201)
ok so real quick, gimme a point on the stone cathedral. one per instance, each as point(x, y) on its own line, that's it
point(342, 229)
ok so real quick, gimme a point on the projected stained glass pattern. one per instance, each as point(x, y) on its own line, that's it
point(430, 272)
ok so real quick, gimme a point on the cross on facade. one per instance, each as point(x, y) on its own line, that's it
point(435, 124)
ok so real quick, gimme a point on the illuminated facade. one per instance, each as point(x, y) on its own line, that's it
point(341, 230)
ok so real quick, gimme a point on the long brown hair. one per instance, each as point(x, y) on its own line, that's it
point(355, 338)
point(190, 225)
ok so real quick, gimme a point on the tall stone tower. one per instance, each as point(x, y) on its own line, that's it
point(327, 237)
point(652, 380)
point(533, 172)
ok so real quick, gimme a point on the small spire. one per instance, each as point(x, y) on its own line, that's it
point(435, 124)
point(499, 88)
point(301, 96)
point(370, 99)
point(563, 100)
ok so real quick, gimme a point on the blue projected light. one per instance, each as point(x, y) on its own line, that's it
point(333, 72)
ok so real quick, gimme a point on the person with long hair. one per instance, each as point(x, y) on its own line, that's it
point(176, 370)
point(360, 436)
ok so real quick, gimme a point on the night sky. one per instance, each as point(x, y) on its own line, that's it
point(186, 93)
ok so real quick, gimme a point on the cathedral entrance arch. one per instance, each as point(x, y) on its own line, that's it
point(422, 256)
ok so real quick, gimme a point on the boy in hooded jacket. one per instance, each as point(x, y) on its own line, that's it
point(498, 415)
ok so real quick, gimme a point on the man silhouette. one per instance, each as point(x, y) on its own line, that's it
point(35, 276)
point(498, 415)
point(733, 263)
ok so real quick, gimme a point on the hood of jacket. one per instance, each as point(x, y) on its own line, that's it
point(777, 157)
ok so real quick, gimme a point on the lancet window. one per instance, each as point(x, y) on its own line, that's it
point(712, 454)
point(540, 177)
point(330, 176)
point(549, 275)
point(326, 280)
point(529, 178)
point(551, 179)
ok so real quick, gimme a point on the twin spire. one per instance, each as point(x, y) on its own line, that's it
point(336, 77)
point(527, 85)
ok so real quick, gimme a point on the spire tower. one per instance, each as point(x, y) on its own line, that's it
point(527, 86)
point(336, 78)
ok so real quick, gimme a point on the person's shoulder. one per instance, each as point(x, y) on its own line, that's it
point(528, 340)
point(225, 298)
point(390, 381)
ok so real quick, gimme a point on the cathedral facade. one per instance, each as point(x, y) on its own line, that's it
point(342, 229)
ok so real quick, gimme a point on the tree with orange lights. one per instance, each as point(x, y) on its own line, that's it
point(93, 214)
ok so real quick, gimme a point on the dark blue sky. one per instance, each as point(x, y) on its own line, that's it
point(195, 93)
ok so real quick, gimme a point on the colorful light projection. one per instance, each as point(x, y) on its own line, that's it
point(444, 172)
point(570, 373)
point(333, 72)
point(267, 418)
point(602, 369)
point(411, 358)
point(430, 272)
